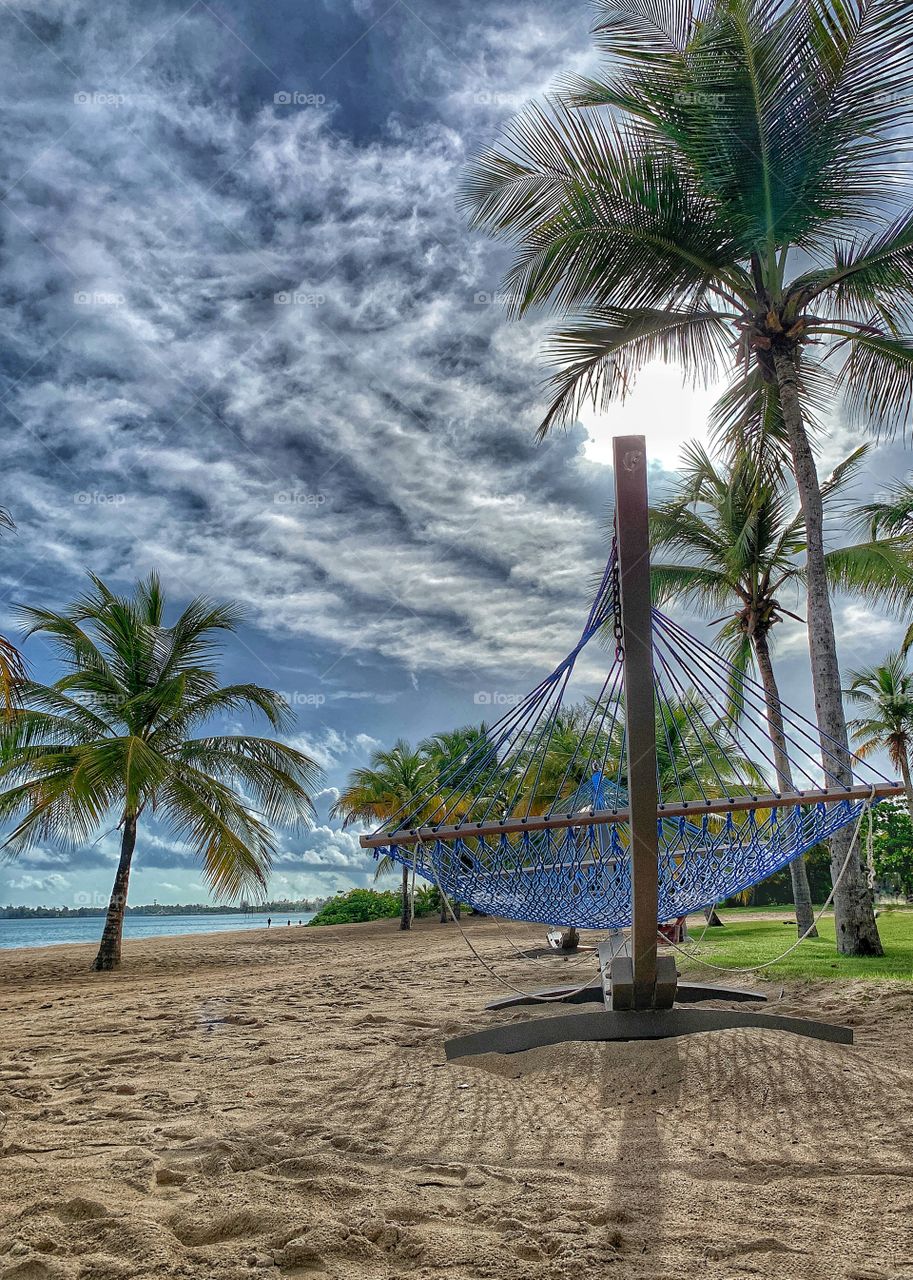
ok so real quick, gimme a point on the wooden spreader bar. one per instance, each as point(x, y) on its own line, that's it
point(603, 817)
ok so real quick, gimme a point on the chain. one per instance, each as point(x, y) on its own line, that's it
point(616, 603)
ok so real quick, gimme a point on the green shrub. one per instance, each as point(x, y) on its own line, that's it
point(893, 848)
point(427, 900)
point(357, 906)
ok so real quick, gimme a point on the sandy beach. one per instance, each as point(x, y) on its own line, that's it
point(251, 1103)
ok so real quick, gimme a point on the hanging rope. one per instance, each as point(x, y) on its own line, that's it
point(510, 986)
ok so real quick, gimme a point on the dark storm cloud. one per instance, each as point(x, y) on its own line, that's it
point(262, 338)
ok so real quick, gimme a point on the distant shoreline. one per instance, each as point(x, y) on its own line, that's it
point(35, 933)
point(161, 909)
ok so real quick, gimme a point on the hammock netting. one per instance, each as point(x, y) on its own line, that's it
point(529, 823)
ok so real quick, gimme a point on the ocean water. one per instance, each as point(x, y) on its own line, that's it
point(46, 933)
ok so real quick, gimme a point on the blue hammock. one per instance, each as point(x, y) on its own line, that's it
point(530, 823)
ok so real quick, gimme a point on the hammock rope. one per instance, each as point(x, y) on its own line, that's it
point(504, 982)
point(530, 823)
point(756, 968)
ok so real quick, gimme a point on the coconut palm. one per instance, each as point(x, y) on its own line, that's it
point(395, 778)
point(741, 539)
point(884, 692)
point(891, 513)
point(119, 736)
point(727, 198)
point(12, 669)
point(551, 770)
point(689, 760)
point(457, 758)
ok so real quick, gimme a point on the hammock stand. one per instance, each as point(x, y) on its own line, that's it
point(624, 843)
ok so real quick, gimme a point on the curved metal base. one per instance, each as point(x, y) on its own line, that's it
point(686, 993)
point(647, 1024)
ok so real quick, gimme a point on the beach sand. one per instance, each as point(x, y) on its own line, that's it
point(248, 1103)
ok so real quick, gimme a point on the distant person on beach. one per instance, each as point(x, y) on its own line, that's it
point(269, 921)
point(290, 924)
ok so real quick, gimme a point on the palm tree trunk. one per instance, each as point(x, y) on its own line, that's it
point(907, 783)
point(445, 914)
point(109, 949)
point(854, 915)
point(802, 894)
point(405, 918)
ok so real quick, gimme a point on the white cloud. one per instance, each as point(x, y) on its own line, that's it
point(329, 747)
point(662, 407)
point(53, 883)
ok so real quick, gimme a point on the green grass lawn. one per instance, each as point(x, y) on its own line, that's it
point(749, 942)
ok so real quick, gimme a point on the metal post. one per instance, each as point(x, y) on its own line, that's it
point(633, 542)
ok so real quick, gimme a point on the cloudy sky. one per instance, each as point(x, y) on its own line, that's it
point(250, 342)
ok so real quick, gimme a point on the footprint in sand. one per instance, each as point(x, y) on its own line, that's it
point(80, 1209)
point(312, 1248)
point(193, 1228)
point(37, 1269)
point(358, 1146)
point(767, 1244)
point(438, 1175)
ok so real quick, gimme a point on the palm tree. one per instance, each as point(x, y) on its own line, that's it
point(726, 197)
point(547, 773)
point(892, 513)
point(885, 693)
point(395, 777)
point(456, 753)
point(742, 540)
point(457, 758)
point(689, 760)
point(113, 737)
point(12, 669)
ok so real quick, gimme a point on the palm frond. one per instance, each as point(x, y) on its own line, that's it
point(279, 778)
point(705, 589)
point(880, 572)
point(845, 472)
point(876, 272)
point(891, 513)
point(734, 644)
point(877, 379)
point(599, 357)
point(235, 847)
point(12, 675)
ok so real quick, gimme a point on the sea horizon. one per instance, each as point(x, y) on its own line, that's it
point(57, 931)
